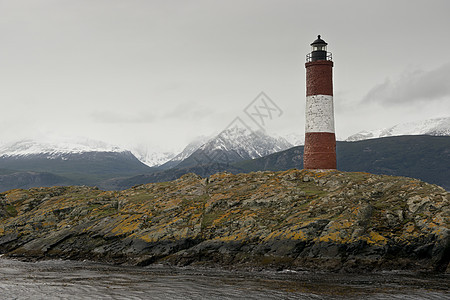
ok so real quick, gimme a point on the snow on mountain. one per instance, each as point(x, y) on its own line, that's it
point(295, 139)
point(232, 144)
point(191, 148)
point(439, 127)
point(55, 146)
point(187, 151)
point(152, 156)
point(237, 143)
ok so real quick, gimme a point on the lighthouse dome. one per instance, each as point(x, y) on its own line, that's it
point(319, 41)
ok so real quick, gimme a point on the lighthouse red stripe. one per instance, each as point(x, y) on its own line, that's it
point(320, 151)
point(319, 78)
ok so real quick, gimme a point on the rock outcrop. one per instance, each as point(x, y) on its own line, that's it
point(329, 220)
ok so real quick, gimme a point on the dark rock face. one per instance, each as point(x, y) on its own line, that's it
point(294, 219)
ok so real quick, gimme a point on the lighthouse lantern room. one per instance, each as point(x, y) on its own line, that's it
point(318, 51)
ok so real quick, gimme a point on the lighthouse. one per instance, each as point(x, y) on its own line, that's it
point(320, 139)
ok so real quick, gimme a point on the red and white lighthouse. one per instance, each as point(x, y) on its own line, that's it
point(320, 139)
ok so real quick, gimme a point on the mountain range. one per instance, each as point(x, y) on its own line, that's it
point(48, 162)
point(235, 144)
point(30, 163)
point(150, 155)
point(187, 151)
point(436, 127)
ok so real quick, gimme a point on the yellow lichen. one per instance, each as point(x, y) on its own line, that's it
point(376, 238)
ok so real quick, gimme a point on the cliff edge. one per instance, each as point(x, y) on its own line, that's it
point(301, 220)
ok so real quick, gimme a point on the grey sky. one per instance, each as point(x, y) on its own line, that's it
point(414, 86)
point(163, 72)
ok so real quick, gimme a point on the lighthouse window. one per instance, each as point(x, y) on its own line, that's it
point(319, 48)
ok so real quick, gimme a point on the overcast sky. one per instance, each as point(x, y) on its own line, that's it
point(164, 72)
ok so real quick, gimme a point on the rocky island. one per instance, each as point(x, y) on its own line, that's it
point(295, 219)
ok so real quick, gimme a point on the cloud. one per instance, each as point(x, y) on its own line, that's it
point(184, 111)
point(111, 117)
point(413, 87)
point(188, 111)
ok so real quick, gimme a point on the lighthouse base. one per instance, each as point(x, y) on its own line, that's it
point(320, 151)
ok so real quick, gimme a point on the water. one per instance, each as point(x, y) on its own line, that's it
point(59, 279)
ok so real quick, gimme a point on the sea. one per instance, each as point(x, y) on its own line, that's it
point(62, 279)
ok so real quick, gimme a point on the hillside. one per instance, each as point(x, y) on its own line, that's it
point(100, 163)
point(293, 220)
point(166, 175)
point(25, 180)
point(86, 168)
point(55, 160)
point(423, 157)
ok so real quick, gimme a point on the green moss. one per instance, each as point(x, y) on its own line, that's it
point(195, 201)
point(209, 218)
point(11, 210)
point(358, 176)
point(139, 198)
point(107, 212)
point(311, 189)
point(316, 193)
point(386, 205)
point(94, 206)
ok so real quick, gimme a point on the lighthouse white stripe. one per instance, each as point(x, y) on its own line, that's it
point(319, 114)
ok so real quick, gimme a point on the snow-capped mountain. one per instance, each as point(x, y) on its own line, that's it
point(152, 156)
point(191, 148)
point(247, 144)
point(234, 144)
point(295, 139)
point(437, 127)
point(67, 160)
point(187, 151)
point(55, 147)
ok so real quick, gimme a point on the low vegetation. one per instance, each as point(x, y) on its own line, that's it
point(294, 219)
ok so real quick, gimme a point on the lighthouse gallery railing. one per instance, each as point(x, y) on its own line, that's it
point(309, 57)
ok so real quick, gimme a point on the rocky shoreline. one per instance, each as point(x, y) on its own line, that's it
point(298, 220)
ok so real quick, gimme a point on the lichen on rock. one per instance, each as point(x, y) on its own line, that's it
point(292, 219)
